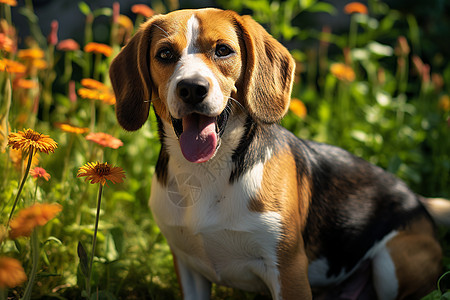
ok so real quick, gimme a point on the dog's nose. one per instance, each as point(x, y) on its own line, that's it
point(193, 90)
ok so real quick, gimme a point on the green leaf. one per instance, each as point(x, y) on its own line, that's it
point(84, 8)
point(103, 295)
point(380, 49)
point(106, 11)
point(83, 259)
point(322, 7)
point(305, 4)
point(110, 251)
point(434, 295)
point(53, 239)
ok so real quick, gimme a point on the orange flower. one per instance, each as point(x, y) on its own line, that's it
point(11, 273)
point(31, 140)
point(100, 172)
point(355, 7)
point(104, 139)
point(298, 108)
point(68, 45)
point(21, 83)
point(342, 72)
point(9, 2)
point(95, 90)
point(93, 84)
point(98, 48)
point(31, 54)
point(105, 96)
point(444, 103)
point(6, 43)
point(142, 9)
point(39, 172)
point(12, 66)
point(72, 129)
point(31, 217)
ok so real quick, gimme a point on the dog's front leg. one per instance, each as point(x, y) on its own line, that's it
point(194, 286)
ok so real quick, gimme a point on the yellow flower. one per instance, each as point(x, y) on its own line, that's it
point(342, 72)
point(31, 140)
point(39, 64)
point(72, 129)
point(98, 48)
point(444, 103)
point(12, 66)
point(9, 2)
point(31, 217)
point(31, 54)
point(125, 22)
point(11, 273)
point(298, 108)
point(100, 172)
point(355, 7)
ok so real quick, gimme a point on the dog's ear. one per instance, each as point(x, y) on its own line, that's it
point(269, 74)
point(131, 82)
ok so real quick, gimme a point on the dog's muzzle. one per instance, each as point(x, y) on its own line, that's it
point(199, 134)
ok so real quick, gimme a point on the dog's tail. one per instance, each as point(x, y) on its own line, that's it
point(439, 209)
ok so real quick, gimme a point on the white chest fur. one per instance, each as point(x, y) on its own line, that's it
point(208, 225)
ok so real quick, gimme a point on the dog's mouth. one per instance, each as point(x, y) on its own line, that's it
point(199, 135)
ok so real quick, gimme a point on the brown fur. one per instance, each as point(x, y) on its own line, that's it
point(416, 255)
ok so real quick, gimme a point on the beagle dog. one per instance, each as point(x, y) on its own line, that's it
point(241, 201)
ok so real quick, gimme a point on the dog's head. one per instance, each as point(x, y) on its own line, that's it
point(190, 64)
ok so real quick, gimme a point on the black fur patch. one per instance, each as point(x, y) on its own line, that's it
point(161, 168)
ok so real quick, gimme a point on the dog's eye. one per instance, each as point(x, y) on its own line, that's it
point(165, 55)
point(223, 50)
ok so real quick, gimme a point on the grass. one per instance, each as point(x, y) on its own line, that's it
point(376, 88)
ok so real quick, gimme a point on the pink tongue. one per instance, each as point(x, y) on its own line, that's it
point(198, 141)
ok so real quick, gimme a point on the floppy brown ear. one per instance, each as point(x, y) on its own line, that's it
point(130, 79)
point(269, 72)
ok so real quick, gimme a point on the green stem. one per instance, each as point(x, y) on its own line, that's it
point(98, 60)
point(67, 159)
point(439, 281)
point(4, 122)
point(30, 158)
point(94, 241)
point(8, 14)
point(353, 32)
point(35, 192)
point(93, 113)
point(2, 294)
point(35, 256)
point(68, 70)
